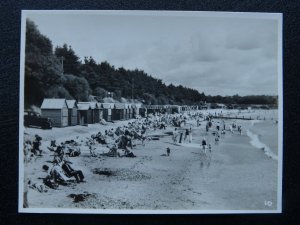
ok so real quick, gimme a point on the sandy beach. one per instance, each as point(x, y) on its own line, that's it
point(234, 175)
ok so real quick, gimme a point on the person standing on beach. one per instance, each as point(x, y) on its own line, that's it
point(204, 143)
point(187, 135)
point(175, 134)
point(168, 151)
point(198, 122)
point(230, 129)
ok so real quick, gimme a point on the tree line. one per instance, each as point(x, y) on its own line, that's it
point(60, 73)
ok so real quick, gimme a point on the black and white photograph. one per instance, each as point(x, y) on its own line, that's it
point(159, 112)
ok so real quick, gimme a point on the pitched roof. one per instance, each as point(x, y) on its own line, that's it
point(71, 104)
point(120, 105)
point(93, 105)
point(107, 105)
point(99, 105)
point(53, 103)
point(83, 105)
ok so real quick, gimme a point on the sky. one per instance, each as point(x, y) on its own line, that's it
point(213, 53)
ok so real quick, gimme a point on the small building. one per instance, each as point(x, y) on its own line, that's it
point(135, 109)
point(84, 113)
point(72, 112)
point(107, 111)
point(99, 115)
point(119, 111)
point(94, 112)
point(143, 111)
point(130, 111)
point(127, 111)
point(55, 109)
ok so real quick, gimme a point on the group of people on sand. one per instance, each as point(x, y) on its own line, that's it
point(60, 173)
point(218, 129)
point(32, 148)
point(119, 142)
point(61, 170)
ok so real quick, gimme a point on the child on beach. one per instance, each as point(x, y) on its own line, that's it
point(168, 151)
point(187, 135)
point(203, 143)
point(240, 129)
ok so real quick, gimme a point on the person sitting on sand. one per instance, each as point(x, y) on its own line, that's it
point(110, 133)
point(57, 174)
point(36, 145)
point(27, 150)
point(223, 132)
point(113, 151)
point(70, 172)
point(217, 139)
point(59, 154)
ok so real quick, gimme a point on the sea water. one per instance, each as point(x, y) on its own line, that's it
point(264, 133)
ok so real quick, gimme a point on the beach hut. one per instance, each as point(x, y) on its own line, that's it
point(119, 111)
point(168, 109)
point(55, 109)
point(99, 114)
point(134, 110)
point(94, 112)
point(143, 111)
point(107, 110)
point(72, 112)
point(130, 107)
point(137, 108)
point(84, 113)
point(126, 111)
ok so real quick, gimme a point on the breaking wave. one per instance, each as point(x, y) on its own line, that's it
point(258, 144)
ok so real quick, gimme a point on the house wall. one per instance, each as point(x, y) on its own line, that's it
point(118, 114)
point(143, 112)
point(72, 117)
point(59, 117)
point(107, 114)
point(89, 116)
point(101, 114)
point(82, 117)
point(96, 116)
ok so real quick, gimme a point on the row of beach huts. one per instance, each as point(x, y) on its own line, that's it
point(64, 112)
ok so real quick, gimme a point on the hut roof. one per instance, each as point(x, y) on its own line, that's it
point(71, 104)
point(120, 106)
point(107, 105)
point(53, 103)
point(99, 105)
point(83, 105)
point(93, 105)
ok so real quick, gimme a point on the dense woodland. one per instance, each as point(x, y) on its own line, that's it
point(59, 73)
